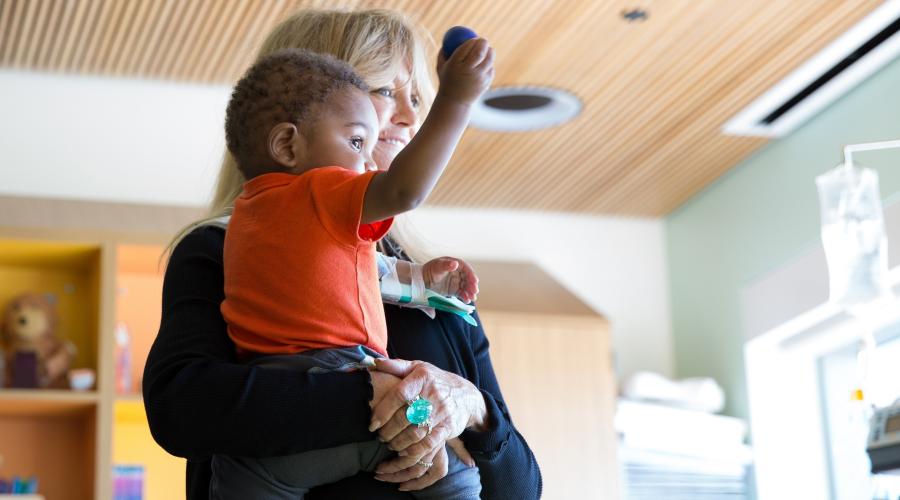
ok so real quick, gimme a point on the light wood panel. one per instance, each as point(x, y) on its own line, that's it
point(655, 93)
point(556, 376)
point(553, 358)
point(61, 448)
point(22, 402)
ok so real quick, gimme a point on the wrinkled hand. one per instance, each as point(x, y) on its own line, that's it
point(416, 477)
point(382, 382)
point(457, 404)
point(448, 276)
point(402, 468)
point(468, 73)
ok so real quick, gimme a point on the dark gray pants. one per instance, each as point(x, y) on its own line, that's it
point(292, 476)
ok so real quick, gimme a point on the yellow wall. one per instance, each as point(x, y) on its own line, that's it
point(132, 444)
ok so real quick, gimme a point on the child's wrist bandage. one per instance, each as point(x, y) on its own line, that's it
point(395, 292)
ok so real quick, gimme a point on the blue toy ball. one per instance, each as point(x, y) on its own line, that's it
point(455, 37)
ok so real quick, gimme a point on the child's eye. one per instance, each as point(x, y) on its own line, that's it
point(356, 143)
point(385, 92)
point(415, 101)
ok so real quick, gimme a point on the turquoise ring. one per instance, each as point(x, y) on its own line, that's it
point(418, 411)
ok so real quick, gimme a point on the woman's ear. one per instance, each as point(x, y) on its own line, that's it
point(286, 145)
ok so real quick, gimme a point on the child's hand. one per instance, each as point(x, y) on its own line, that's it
point(448, 276)
point(469, 71)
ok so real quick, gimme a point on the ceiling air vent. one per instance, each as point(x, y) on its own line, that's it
point(831, 73)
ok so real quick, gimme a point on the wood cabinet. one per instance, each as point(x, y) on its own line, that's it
point(70, 440)
point(552, 357)
point(59, 436)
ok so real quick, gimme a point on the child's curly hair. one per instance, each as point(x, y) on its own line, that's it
point(281, 87)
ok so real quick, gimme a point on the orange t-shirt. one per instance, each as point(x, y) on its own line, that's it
point(300, 271)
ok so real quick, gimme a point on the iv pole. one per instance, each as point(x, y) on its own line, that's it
point(867, 146)
point(868, 339)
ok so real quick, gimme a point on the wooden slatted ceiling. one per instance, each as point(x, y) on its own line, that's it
point(655, 93)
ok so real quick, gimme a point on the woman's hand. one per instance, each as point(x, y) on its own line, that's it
point(417, 476)
point(387, 468)
point(382, 382)
point(457, 405)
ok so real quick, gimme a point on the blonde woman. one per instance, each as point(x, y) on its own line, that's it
point(200, 401)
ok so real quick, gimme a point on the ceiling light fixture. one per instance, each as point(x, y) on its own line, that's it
point(517, 109)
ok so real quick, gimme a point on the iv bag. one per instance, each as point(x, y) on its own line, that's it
point(853, 235)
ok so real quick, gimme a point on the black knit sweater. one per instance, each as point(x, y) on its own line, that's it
point(200, 401)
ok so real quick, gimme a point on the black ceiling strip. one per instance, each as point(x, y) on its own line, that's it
point(837, 69)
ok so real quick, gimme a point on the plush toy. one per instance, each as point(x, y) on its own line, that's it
point(35, 357)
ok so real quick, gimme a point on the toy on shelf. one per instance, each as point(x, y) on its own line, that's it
point(82, 379)
point(123, 359)
point(36, 357)
point(19, 486)
point(128, 482)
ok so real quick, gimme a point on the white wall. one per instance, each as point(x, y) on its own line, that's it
point(109, 139)
point(615, 265)
point(117, 140)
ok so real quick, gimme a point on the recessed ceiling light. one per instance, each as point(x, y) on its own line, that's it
point(634, 15)
point(515, 109)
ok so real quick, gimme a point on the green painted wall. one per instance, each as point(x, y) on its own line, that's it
point(757, 217)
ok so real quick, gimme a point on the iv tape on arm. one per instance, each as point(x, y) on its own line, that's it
point(414, 294)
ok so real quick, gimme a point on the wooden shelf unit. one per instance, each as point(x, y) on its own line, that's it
point(61, 436)
point(99, 281)
point(45, 403)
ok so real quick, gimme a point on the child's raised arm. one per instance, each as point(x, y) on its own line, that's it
point(416, 169)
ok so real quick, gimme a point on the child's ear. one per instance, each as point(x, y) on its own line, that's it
point(285, 144)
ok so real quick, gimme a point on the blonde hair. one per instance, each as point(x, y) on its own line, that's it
point(376, 42)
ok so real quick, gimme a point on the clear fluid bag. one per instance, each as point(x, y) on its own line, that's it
point(854, 236)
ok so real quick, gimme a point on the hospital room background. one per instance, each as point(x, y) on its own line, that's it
point(683, 216)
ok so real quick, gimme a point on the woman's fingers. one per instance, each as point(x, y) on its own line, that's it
point(410, 434)
point(395, 465)
point(382, 382)
point(439, 435)
point(399, 463)
point(394, 426)
point(413, 471)
point(437, 471)
point(406, 390)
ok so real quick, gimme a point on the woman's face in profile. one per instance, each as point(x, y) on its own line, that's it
point(398, 118)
